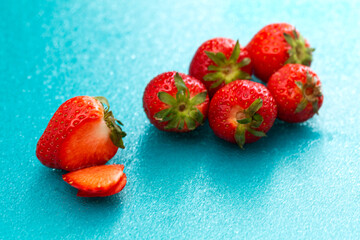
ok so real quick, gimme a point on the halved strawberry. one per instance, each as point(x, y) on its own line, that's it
point(82, 133)
point(98, 181)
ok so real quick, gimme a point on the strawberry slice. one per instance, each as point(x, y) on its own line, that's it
point(115, 189)
point(96, 180)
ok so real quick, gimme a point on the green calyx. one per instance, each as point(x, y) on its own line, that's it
point(116, 133)
point(226, 69)
point(311, 93)
point(299, 52)
point(182, 109)
point(249, 120)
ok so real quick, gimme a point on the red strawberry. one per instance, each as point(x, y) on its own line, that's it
point(82, 133)
point(98, 181)
point(117, 188)
point(175, 102)
point(296, 89)
point(276, 45)
point(220, 61)
point(242, 112)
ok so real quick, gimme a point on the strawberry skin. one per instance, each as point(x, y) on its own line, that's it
point(242, 112)
point(98, 181)
point(223, 70)
point(81, 133)
point(297, 92)
point(175, 102)
point(276, 45)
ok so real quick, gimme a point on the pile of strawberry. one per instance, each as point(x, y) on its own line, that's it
point(83, 133)
point(218, 87)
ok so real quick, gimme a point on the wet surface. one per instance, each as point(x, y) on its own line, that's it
point(302, 181)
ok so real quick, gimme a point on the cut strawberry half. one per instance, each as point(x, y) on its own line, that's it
point(82, 133)
point(89, 145)
point(99, 180)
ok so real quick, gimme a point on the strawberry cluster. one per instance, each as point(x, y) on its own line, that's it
point(83, 134)
point(219, 86)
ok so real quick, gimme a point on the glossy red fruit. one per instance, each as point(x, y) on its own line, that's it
point(220, 61)
point(297, 92)
point(276, 45)
point(81, 133)
point(116, 189)
point(242, 112)
point(175, 102)
point(98, 181)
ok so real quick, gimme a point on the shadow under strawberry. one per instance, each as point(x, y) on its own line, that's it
point(179, 169)
point(291, 138)
point(59, 200)
point(284, 137)
point(252, 170)
point(167, 160)
point(56, 188)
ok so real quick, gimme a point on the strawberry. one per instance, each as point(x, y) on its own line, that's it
point(98, 181)
point(81, 133)
point(242, 112)
point(296, 89)
point(116, 189)
point(276, 45)
point(175, 102)
point(220, 61)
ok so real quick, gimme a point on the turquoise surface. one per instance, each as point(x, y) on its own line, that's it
point(301, 182)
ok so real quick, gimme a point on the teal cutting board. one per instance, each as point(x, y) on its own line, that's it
point(301, 182)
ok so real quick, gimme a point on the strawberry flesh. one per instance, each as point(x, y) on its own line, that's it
point(97, 180)
point(115, 189)
point(91, 143)
point(81, 133)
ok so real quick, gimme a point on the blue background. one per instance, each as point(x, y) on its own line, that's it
point(302, 181)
